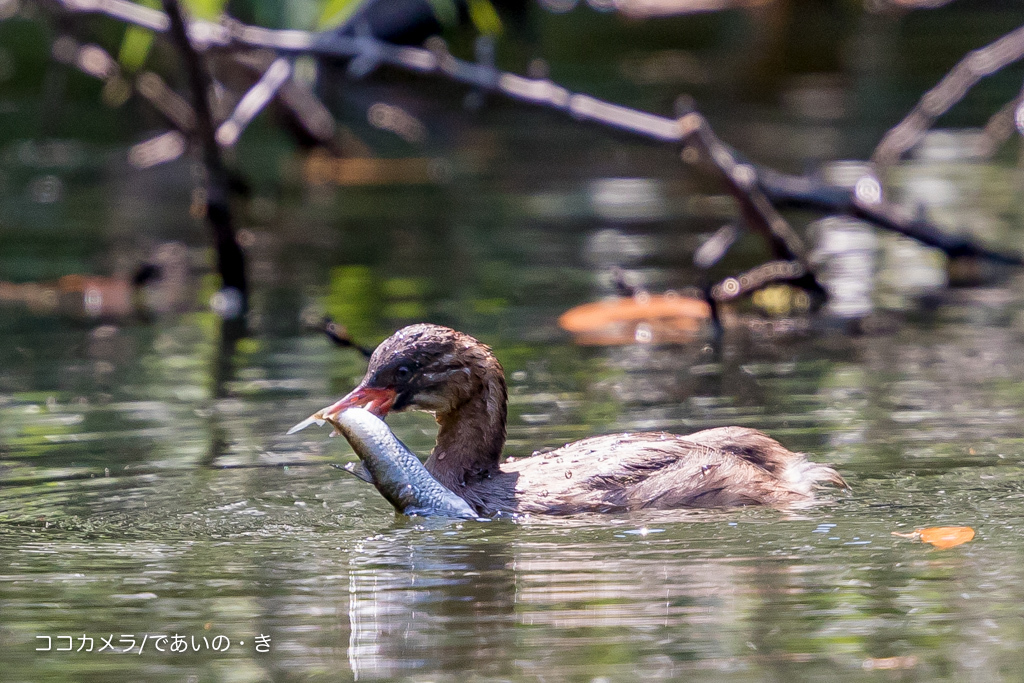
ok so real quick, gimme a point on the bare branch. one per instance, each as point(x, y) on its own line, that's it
point(158, 150)
point(308, 112)
point(171, 105)
point(1004, 123)
point(742, 179)
point(646, 9)
point(95, 61)
point(806, 193)
point(128, 12)
point(253, 102)
point(770, 273)
point(230, 260)
point(758, 191)
point(954, 85)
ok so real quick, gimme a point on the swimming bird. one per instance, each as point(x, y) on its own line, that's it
point(458, 379)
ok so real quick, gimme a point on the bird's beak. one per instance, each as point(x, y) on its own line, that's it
point(377, 401)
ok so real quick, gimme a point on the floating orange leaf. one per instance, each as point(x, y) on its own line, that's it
point(643, 318)
point(946, 536)
point(941, 537)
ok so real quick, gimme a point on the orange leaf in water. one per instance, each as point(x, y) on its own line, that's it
point(941, 537)
point(946, 536)
point(656, 318)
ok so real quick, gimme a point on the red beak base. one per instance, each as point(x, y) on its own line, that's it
point(377, 401)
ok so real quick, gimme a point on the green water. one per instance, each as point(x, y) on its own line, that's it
point(147, 488)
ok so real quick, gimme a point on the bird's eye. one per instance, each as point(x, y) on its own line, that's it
point(403, 373)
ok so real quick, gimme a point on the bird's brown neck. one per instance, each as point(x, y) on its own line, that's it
point(470, 437)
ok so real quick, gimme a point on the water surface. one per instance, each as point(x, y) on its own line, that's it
point(147, 487)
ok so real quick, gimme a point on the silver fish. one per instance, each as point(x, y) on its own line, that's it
point(396, 472)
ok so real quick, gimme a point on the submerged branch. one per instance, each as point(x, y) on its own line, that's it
point(742, 180)
point(805, 193)
point(339, 335)
point(773, 272)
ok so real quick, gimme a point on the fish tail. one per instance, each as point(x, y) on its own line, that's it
point(312, 419)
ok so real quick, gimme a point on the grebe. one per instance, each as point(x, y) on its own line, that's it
point(458, 379)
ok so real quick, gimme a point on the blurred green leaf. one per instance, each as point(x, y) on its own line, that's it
point(137, 43)
point(335, 13)
point(205, 9)
point(484, 17)
point(135, 48)
point(353, 300)
point(446, 11)
point(404, 287)
point(490, 306)
point(409, 310)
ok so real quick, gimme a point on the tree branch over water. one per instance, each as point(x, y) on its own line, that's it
point(951, 89)
point(759, 191)
point(230, 260)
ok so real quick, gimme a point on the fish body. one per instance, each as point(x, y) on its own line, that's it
point(396, 472)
